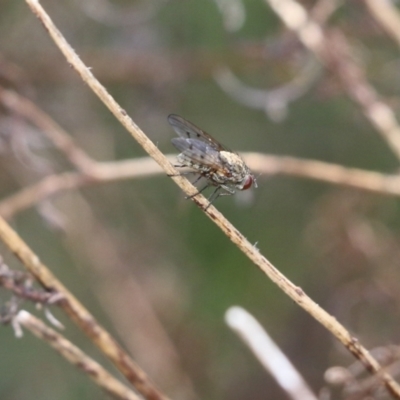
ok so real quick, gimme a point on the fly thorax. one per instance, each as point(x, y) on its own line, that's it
point(234, 164)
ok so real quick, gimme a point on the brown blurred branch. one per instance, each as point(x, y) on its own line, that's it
point(91, 172)
point(325, 172)
point(20, 284)
point(354, 384)
point(275, 101)
point(103, 172)
point(268, 353)
point(294, 292)
point(117, 285)
point(270, 165)
point(334, 52)
point(387, 15)
point(75, 356)
point(79, 314)
point(154, 68)
point(61, 140)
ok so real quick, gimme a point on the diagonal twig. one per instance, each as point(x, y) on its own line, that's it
point(334, 52)
point(79, 314)
point(75, 356)
point(61, 140)
point(388, 15)
point(271, 357)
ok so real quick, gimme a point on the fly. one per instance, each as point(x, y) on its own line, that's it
point(201, 153)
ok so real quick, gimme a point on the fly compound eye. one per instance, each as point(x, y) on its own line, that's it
point(247, 182)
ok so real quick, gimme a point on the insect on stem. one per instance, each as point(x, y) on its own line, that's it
point(211, 160)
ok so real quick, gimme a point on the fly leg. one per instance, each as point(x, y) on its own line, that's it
point(196, 180)
point(181, 173)
point(198, 192)
point(214, 195)
point(217, 193)
point(184, 173)
point(193, 183)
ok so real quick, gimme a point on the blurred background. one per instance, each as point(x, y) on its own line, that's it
point(150, 265)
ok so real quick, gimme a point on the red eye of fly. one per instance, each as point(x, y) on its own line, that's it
point(247, 182)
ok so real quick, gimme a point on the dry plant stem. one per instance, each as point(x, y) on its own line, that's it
point(39, 191)
point(79, 314)
point(116, 286)
point(326, 172)
point(87, 76)
point(335, 53)
point(75, 356)
point(323, 9)
point(36, 296)
point(268, 353)
point(145, 167)
point(102, 172)
point(61, 140)
point(371, 383)
point(251, 251)
point(387, 15)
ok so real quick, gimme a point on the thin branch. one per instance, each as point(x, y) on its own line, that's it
point(61, 140)
point(79, 314)
point(20, 284)
point(294, 292)
point(322, 10)
point(268, 353)
point(335, 53)
point(326, 172)
point(37, 192)
point(115, 287)
point(274, 102)
point(75, 356)
point(146, 167)
point(53, 184)
point(351, 379)
point(170, 373)
point(233, 13)
point(385, 12)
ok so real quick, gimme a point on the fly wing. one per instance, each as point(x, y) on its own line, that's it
point(187, 130)
point(198, 152)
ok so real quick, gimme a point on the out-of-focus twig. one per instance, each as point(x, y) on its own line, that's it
point(233, 14)
point(61, 140)
point(388, 16)
point(75, 356)
point(334, 52)
point(269, 165)
point(323, 10)
point(115, 286)
point(294, 292)
point(79, 314)
point(274, 102)
point(20, 284)
point(377, 182)
point(269, 354)
point(52, 184)
point(352, 379)
point(45, 188)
